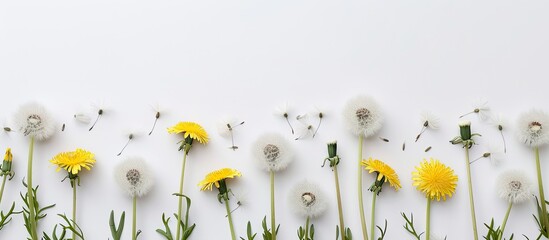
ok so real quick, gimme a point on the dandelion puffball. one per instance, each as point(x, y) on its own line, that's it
point(33, 120)
point(273, 152)
point(362, 116)
point(307, 200)
point(514, 186)
point(532, 128)
point(134, 177)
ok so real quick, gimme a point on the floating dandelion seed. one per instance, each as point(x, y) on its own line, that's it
point(320, 115)
point(499, 122)
point(100, 112)
point(428, 149)
point(283, 111)
point(307, 128)
point(428, 120)
point(226, 127)
point(481, 108)
point(494, 153)
point(156, 109)
point(63, 128)
point(301, 117)
point(131, 136)
point(82, 117)
point(403, 145)
point(384, 139)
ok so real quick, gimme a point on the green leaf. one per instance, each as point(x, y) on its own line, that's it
point(116, 232)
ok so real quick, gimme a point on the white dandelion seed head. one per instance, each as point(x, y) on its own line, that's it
point(307, 200)
point(82, 117)
point(32, 119)
point(533, 128)
point(515, 186)
point(432, 120)
point(282, 110)
point(363, 116)
point(225, 124)
point(498, 120)
point(483, 109)
point(464, 123)
point(273, 152)
point(497, 154)
point(134, 176)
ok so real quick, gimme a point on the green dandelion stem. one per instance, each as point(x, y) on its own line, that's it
point(505, 220)
point(180, 199)
point(543, 217)
point(134, 218)
point(360, 197)
point(428, 221)
point(73, 184)
point(2, 189)
point(30, 195)
point(307, 228)
point(339, 205)
point(372, 221)
point(273, 224)
point(471, 200)
point(226, 200)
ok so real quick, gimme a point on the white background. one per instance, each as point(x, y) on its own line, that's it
point(202, 60)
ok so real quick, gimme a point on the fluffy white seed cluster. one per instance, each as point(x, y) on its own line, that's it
point(307, 200)
point(33, 120)
point(273, 152)
point(134, 177)
point(363, 116)
point(533, 129)
point(514, 186)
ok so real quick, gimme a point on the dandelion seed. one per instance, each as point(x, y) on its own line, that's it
point(130, 138)
point(494, 153)
point(481, 108)
point(283, 111)
point(99, 114)
point(384, 139)
point(320, 115)
point(156, 109)
point(428, 149)
point(82, 117)
point(499, 123)
point(428, 120)
point(226, 127)
point(63, 128)
point(404, 146)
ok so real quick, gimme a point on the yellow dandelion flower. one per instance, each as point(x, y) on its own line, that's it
point(435, 179)
point(74, 161)
point(383, 171)
point(216, 176)
point(190, 129)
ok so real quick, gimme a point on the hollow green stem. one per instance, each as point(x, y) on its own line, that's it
point(543, 217)
point(73, 184)
point(471, 200)
point(372, 220)
point(226, 199)
point(360, 197)
point(505, 220)
point(428, 217)
point(134, 219)
point(273, 224)
point(307, 228)
point(180, 200)
point(2, 189)
point(339, 205)
point(30, 195)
